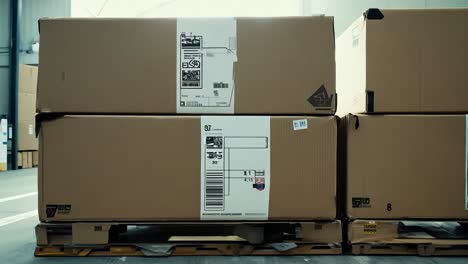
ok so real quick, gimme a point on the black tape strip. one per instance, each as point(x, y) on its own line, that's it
point(373, 14)
point(356, 124)
point(370, 101)
point(41, 117)
point(336, 101)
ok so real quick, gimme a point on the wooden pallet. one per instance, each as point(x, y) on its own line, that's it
point(402, 237)
point(188, 238)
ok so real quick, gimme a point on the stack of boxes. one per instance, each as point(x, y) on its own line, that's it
point(27, 141)
point(3, 144)
point(116, 143)
point(402, 73)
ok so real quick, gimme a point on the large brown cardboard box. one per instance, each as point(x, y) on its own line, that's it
point(404, 61)
point(406, 166)
point(26, 135)
point(277, 65)
point(27, 87)
point(150, 167)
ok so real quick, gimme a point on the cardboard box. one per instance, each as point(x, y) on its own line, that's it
point(27, 79)
point(20, 159)
point(3, 144)
point(35, 158)
point(24, 156)
point(159, 167)
point(29, 159)
point(26, 135)
point(26, 106)
point(27, 87)
point(406, 166)
point(404, 61)
point(278, 65)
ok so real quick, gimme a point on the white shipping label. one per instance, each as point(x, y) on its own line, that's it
point(300, 124)
point(3, 140)
point(235, 167)
point(30, 129)
point(206, 52)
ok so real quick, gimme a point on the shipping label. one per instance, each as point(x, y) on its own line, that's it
point(235, 167)
point(206, 52)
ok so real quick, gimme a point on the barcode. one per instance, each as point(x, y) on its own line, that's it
point(220, 85)
point(214, 191)
point(190, 84)
point(300, 124)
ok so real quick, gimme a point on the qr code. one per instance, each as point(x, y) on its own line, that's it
point(191, 75)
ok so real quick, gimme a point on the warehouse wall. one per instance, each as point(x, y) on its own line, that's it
point(32, 11)
point(4, 58)
point(346, 11)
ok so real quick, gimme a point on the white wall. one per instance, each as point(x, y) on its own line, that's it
point(185, 8)
point(346, 11)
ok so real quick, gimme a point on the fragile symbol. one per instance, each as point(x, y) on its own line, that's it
point(320, 98)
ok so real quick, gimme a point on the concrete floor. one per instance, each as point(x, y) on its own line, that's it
point(17, 239)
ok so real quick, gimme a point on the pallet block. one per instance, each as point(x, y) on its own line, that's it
point(403, 237)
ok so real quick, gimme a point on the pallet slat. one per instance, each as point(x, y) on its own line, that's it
point(179, 239)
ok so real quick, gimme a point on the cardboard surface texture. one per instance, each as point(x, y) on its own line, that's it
point(26, 135)
point(148, 168)
point(406, 166)
point(283, 66)
point(27, 87)
point(408, 61)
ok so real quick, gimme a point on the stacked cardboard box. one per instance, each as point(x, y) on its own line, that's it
point(92, 96)
point(28, 159)
point(3, 144)
point(27, 141)
point(27, 90)
point(408, 159)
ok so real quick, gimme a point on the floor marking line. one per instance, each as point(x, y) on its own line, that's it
point(16, 197)
point(15, 218)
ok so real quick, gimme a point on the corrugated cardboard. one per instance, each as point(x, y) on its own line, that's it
point(35, 158)
point(407, 61)
point(27, 87)
point(406, 166)
point(129, 65)
point(27, 79)
point(148, 168)
point(26, 106)
point(20, 159)
point(324, 232)
point(26, 135)
point(24, 156)
point(29, 159)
